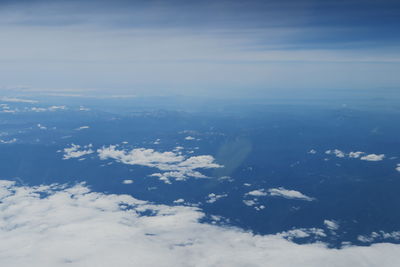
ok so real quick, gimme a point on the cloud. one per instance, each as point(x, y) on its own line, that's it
point(17, 100)
point(211, 198)
point(356, 155)
point(51, 108)
point(6, 108)
point(331, 225)
point(179, 201)
point(290, 194)
point(373, 157)
point(303, 233)
point(55, 226)
point(10, 141)
point(280, 191)
point(381, 235)
point(398, 167)
point(82, 128)
point(75, 152)
point(257, 193)
point(127, 181)
point(173, 165)
point(189, 138)
point(338, 153)
point(157, 142)
point(41, 127)
point(249, 202)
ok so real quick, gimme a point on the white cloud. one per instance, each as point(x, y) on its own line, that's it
point(51, 108)
point(398, 167)
point(173, 165)
point(11, 141)
point(71, 226)
point(226, 179)
point(331, 225)
point(211, 198)
point(127, 181)
point(249, 202)
point(75, 152)
point(356, 155)
point(179, 201)
point(81, 108)
point(189, 138)
point(373, 157)
point(41, 127)
point(302, 233)
point(312, 151)
point(82, 128)
point(257, 193)
point(381, 235)
point(291, 194)
point(17, 100)
point(157, 142)
point(338, 153)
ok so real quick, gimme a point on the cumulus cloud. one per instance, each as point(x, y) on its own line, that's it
point(290, 194)
point(398, 167)
point(189, 138)
point(127, 181)
point(381, 235)
point(172, 164)
point(257, 193)
point(303, 233)
point(254, 201)
point(338, 153)
point(356, 155)
point(52, 226)
point(373, 157)
point(249, 202)
point(211, 198)
point(76, 151)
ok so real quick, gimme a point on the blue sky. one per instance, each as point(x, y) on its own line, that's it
point(212, 48)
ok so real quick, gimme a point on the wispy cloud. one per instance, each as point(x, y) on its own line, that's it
point(290, 194)
point(17, 100)
point(253, 45)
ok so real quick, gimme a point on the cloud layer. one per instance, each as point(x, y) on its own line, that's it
point(72, 226)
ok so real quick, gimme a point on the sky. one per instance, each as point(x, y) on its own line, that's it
point(198, 48)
